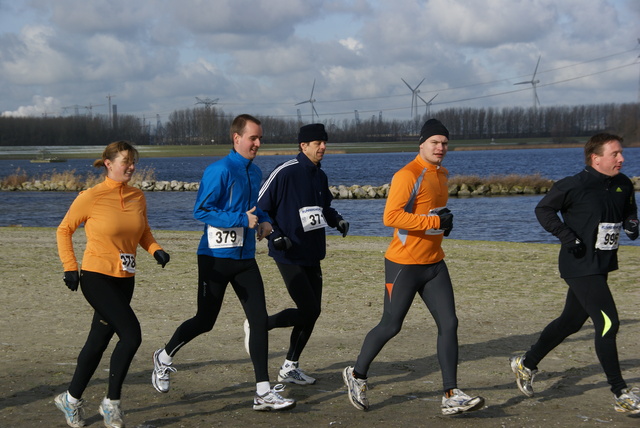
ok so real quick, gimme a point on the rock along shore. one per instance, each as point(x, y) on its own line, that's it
point(474, 188)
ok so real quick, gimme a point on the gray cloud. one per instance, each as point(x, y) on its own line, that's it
point(263, 56)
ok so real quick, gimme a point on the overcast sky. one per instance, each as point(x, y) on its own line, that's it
point(262, 57)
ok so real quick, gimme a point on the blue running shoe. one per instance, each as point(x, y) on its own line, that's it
point(112, 413)
point(73, 413)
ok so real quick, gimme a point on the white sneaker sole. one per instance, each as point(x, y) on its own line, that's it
point(268, 407)
point(289, 379)
point(475, 403)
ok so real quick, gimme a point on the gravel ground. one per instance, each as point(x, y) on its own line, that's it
point(505, 294)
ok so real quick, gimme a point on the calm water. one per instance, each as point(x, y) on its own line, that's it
point(374, 168)
point(508, 218)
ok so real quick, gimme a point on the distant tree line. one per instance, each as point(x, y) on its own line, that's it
point(555, 123)
point(210, 125)
point(70, 130)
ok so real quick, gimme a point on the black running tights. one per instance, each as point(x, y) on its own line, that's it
point(304, 284)
point(110, 297)
point(587, 297)
point(433, 284)
point(214, 274)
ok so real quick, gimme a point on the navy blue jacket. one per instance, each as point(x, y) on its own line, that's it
point(293, 185)
point(584, 201)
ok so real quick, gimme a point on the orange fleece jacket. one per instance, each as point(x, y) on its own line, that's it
point(416, 189)
point(115, 221)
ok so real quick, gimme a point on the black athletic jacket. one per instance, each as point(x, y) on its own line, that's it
point(584, 201)
point(292, 185)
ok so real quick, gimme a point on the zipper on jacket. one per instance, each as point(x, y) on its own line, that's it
point(246, 170)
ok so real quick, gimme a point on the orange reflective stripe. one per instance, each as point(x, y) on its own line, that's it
point(389, 286)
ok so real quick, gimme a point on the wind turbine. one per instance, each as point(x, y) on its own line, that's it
point(414, 95)
point(533, 82)
point(311, 100)
point(427, 105)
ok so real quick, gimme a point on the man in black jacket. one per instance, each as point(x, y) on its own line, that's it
point(596, 205)
point(297, 198)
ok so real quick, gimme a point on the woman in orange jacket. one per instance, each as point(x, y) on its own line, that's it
point(115, 222)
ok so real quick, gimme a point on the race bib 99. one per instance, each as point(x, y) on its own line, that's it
point(225, 237)
point(608, 236)
point(312, 218)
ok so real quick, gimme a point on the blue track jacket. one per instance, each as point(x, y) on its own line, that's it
point(293, 185)
point(228, 189)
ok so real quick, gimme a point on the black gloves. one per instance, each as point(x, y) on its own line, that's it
point(161, 257)
point(72, 279)
point(577, 248)
point(631, 227)
point(281, 243)
point(343, 227)
point(446, 219)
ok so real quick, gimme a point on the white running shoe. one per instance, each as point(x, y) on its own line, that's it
point(356, 389)
point(160, 378)
point(293, 374)
point(73, 413)
point(524, 376)
point(112, 414)
point(460, 402)
point(272, 400)
point(247, 333)
point(629, 401)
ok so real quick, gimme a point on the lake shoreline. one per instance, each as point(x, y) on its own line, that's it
point(90, 152)
point(462, 186)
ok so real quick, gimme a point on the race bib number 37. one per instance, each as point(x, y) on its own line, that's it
point(312, 218)
point(225, 237)
point(608, 235)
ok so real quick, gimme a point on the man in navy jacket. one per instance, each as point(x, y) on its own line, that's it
point(296, 197)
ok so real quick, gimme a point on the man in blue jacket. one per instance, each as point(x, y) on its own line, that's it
point(297, 198)
point(227, 204)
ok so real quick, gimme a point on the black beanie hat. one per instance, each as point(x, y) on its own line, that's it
point(313, 132)
point(432, 127)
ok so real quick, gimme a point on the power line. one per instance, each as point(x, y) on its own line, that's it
point(489, 82)
point(491, 95)
point(447, 89)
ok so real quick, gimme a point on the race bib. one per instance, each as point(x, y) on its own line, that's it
point(128, 262)
point(608, 236)
point(312, 218)
point(225, 237)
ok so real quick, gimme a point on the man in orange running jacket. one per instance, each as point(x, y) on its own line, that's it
point(414, 264)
